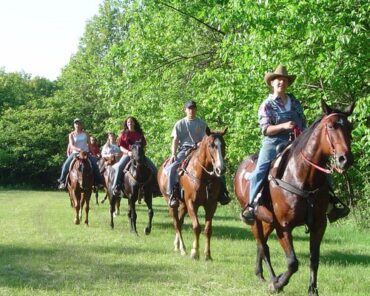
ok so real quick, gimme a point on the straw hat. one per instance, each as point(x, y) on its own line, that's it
point(280, 71)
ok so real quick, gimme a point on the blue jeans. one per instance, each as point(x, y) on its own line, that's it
point(67, 164)
point(171, 171)
point(258, 176)
point(122, 164)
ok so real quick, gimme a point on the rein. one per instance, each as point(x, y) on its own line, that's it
point(333, 152)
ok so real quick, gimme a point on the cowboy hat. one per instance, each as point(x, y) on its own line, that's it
point(280, 71)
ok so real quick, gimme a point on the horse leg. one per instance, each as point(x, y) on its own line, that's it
point(96, 195)
point(315, 241)
point(177, 224)
point(286, 242)
point(196, 229)
point(132, 214)
point(118, 205)
point(261, 232)
point(82, 201)
point(148, 201)
point(210, 210)
point(87, 208)
point(112, 203)
point(76, 206)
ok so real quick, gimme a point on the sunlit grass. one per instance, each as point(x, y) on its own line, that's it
point(43, 253)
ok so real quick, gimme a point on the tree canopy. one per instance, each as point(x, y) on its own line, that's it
point(146, 58)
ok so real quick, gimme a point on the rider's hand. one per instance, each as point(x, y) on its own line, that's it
point(129, 153)
point(289, 125)
point(173, 158)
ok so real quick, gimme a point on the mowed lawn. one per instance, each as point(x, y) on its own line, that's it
point(43, 253)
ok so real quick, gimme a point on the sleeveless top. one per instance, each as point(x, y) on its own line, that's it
point(80, 141)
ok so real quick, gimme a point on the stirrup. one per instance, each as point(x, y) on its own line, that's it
point(224, 198)
point(248, 215)
point(338, 211)
point(173, 201)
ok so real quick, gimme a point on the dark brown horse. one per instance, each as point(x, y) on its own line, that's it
point(79, 184)
point(138, 181)
point(201, 186)
point(297, 192)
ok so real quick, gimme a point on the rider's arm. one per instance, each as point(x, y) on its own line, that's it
point(174, 145)
point(272, 130)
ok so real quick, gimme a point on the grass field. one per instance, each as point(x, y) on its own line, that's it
point(43, 253)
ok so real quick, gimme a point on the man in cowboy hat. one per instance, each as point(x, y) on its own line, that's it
point(278, 115)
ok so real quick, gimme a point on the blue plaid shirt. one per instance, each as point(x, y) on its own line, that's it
point(271, 107)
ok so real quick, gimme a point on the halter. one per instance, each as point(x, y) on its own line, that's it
point(333, 152)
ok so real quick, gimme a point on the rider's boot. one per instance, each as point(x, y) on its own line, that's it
point(336, 209)
point(248, 214)
point(61, 185)
point(174, 197)
point(224, 197)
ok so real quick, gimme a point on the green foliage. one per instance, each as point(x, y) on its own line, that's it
point(145, 58)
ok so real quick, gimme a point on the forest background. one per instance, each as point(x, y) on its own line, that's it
point(146, 58)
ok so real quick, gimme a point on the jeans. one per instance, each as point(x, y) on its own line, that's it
point(171, 171)
point(67, 164)
point(258, 176)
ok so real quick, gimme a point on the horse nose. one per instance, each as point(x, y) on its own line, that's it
point(220, 171)
point(344, 161)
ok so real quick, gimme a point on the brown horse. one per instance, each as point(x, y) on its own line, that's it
point(79, 184)
point(297, 192)
point(201, 186)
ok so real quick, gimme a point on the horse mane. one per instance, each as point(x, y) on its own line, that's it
point(302, 140)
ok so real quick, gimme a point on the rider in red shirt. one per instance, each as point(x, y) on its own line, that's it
point(131, 133)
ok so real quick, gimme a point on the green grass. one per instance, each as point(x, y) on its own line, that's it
point(43, 253)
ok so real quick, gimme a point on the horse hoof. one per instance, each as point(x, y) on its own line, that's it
point(208, 258)
point(77, 222)
point(194, 255)
point(147, 230)
point(272, 288)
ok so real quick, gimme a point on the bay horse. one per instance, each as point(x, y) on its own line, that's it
point(201, 187)
point(297, 192)
point(138, 181)
point(79, 183)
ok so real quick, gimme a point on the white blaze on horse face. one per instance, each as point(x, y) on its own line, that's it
point(219, 160)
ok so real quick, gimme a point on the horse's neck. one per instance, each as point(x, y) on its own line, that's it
point(199, 160)
point(138, 170)
point(300, 172)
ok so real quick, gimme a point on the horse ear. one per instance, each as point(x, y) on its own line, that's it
point(224, 130)
point(208, 131)
point(348, 111)
point(327, 110)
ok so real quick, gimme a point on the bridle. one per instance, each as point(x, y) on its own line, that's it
point(332, 148)
point(213, 172)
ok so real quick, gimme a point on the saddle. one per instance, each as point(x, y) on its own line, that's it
point(72, 164)
point(183, 165)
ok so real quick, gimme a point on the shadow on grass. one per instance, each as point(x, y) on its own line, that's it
point(67, 266)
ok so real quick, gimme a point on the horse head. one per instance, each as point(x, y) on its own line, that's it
point(138, 153)
point(215, 144)
point(336, 138)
